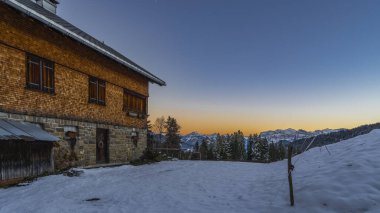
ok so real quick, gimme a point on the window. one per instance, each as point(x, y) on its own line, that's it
point(97, 91)
point(71, 134)
point(39, 74)
point(134, 103)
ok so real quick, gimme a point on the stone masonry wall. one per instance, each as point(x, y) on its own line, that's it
point(121, 147)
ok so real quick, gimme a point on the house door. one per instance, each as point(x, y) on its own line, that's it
point(102, 145)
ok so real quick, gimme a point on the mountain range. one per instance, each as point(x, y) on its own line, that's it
point(290, 135)
point(273, 136)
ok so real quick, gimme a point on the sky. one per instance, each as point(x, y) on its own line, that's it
point(250, 65)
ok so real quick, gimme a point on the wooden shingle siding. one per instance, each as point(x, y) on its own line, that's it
point(73, 64)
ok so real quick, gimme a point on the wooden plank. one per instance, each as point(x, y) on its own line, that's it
point(24, 159)
point(290, 169)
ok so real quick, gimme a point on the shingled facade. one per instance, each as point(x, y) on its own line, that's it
point(82, 91)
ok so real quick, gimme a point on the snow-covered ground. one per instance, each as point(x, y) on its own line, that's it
point(348, 180)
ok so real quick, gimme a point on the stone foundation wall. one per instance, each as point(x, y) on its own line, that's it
point(121, 147)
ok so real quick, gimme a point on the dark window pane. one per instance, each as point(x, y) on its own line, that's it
point(102, 83)
point(102, 94)
point(97, 90)
point(134, 103)
point(93, 91)
point(44, 77)
point(140, 105)
point(129, 102)
point(34, 74)
point(40, 74)
point(93, 80)
point(47, 79)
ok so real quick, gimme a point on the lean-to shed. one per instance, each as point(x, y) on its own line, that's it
point(25, 150)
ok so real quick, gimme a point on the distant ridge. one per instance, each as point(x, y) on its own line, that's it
point(290, 135)
point(284, 136)
point(334, 137)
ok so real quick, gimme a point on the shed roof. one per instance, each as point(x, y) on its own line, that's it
point(16, 130)
point(52, 20)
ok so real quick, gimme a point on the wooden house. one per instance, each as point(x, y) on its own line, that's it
point(93, 98)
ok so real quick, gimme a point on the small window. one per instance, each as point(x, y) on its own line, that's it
point(97, 91)
point(71, 134)
point(39, 74)
point(134, 103)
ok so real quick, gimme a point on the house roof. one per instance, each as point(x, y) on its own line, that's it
point(35, 11)
point(15, 130)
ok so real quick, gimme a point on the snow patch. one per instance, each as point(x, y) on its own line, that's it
point(345, 181)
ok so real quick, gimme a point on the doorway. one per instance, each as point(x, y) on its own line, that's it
point(102, 146)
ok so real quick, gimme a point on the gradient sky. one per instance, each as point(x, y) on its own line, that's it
point(252, 65)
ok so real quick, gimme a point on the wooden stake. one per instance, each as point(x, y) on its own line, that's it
point(290, 169)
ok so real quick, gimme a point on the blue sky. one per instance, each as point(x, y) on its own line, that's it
point(247, 64)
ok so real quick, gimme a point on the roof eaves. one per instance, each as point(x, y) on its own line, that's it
point(19, 6)
point(17, 130)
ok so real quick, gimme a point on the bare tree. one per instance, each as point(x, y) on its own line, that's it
point(159, 126)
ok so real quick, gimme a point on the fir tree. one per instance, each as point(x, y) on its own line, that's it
point(250, 148)
point(256, 148)
point(240, 142)
point(265, 149)
point(234, 146)
point(273, 154)
point(210, 152)
point(172, 133)
point(196, 147)
point(224, 148)
point(260, 150)
point(228, 147)
point(203, 149)
point(281, 152)
point(218, 151)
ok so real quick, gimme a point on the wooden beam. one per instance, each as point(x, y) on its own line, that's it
point(290, 169)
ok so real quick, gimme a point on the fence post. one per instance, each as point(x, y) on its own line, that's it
point(290, 169)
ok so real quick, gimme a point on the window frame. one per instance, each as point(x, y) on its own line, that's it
point(46, 79)
point(137, 101)
point(98, 83)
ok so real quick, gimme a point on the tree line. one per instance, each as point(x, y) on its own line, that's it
point(333, 137)
point(233, 147)
point(229, 147)
point(168, 134)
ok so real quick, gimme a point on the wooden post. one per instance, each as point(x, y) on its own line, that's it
point(290, 169)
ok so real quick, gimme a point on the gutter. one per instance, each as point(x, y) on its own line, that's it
point(52, 24)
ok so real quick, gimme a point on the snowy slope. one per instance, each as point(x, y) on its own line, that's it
point(345, 181)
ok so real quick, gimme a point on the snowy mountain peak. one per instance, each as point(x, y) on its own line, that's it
point(289, 135)
point(193, 134)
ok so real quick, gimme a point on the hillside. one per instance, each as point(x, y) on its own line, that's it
point(334, 137)
point(345, 181)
